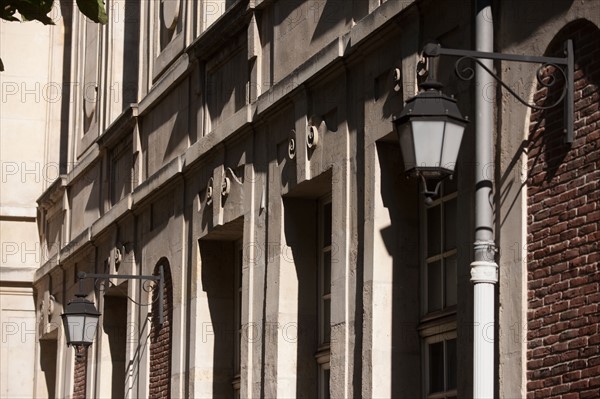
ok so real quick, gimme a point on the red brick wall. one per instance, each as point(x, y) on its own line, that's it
point(563, 337)
point(160, 341)
point(79, 380)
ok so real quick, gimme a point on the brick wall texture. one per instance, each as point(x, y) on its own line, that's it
point(563, 337)
point(160, 341)
point(79, 379)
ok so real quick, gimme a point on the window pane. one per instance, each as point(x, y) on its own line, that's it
point(236, 347)
point(450, 185)
point(433, 231)
point(326, 384)
point(238, 316)
point(450, 280)
point(451, 363)
point(450, 224)
point(239, 267)
point(327, 272)
point(327, 224)
point(436, 367)
point(434, 286)
point(326, 320)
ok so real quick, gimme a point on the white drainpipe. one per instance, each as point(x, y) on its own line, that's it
point(484, 270)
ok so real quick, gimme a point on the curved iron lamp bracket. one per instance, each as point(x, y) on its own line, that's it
point(565, 65)
point(427, 192)
point(160, 279)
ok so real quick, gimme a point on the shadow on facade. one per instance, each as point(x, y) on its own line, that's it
point(400, 198)
point(218, 278)
point(300, 217)
point(115, 328)
point(48, 350)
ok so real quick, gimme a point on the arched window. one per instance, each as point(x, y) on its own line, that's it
point(562, 216)
point(161, 336)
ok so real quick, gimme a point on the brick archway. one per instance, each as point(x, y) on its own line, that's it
point(161, 337)
point(563, 341)
point(80, 373)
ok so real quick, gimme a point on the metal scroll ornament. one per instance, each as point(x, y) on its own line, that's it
point(466, 72)
point(564, 65)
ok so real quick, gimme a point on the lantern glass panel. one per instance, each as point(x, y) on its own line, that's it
point(407, 146)
point(91, 323)
point(76, 327)
point(65, 321)
point(428, 138)
point(452, 138)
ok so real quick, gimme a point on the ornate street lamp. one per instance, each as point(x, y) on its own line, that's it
point(430, 129)
point(80, 320)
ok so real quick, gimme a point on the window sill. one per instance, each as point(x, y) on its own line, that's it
point(438, 323)
point(236, 382)
point(323, 354)
point(443, 395)
point(449, 311)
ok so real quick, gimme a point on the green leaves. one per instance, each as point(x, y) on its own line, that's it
point(7, 11)
point(94, 10)
point(38, 10)
point(30, 10)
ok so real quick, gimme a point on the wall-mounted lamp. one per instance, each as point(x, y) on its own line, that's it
point(430, 127)
point(430, 130)
point(80, 318)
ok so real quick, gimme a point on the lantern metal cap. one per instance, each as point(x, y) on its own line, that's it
point(431, 84)
point(430, 102)
point(81, 305)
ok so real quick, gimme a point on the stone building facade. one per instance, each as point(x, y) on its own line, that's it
point(32, 55)
point(246, 148)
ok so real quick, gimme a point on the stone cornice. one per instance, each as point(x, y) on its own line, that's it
point(310, 71)
point(53, 193)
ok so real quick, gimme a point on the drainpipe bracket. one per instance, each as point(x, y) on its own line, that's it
point(489, 246)
point(483, 271)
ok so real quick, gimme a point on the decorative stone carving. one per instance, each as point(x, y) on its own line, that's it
point(292, 145)
point(316, 128)
point(90, 76)
point(169, 17)
point(209, 192)
point(312, 137)
point(225, 186)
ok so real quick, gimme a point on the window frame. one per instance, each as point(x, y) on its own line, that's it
point(323, 249)
point(122, 151)
point(438, 325)
point(426, 342)
point(238, 301)
point(324, 346)
point(441, 255)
